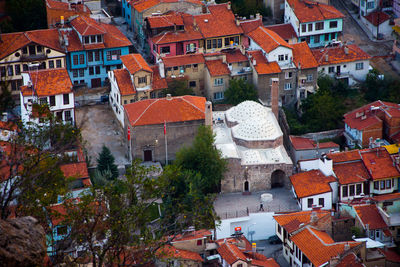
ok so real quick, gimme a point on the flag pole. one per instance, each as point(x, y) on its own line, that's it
point(166, 143)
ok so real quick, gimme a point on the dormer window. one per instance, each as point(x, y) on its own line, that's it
point(93, 39)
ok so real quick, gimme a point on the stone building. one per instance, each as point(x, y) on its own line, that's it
point(249, 137)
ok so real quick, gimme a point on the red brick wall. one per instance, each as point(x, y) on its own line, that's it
point(392, 125)
point(374, 131)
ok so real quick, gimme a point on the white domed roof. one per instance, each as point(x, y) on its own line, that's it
point(255, 130)
point(247, 110)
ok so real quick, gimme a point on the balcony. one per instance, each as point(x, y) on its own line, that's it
point(35, 57)
point(240, 71)
point(342, 74)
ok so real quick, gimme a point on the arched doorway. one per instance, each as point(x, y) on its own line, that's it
point(246, 186)
point(278, 179)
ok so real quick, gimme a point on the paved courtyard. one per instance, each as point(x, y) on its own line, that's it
point(99, 126)
point(231, 205)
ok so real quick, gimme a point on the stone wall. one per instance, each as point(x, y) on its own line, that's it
point(323, 135)
point(341, 229)
point(259, 144)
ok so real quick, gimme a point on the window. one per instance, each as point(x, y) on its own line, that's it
point(304, 28)
point(66, 99)
point(331, 69)
point(214, 43)
point(2, 71)
point(218, 81)
point(51, 64)
point(316, 39)
point(81, 59)
point(81, 72)
point(17, 69)
point(97, 69)
point(125, 102)
point(97, 55)
point(388, 184)
point(93, 38)
point(370, 5)
point(192, 84)
point(219, 43)
point(165, 50)
point(288, 86)
point(115, 54)
point(75, 59)
point(91, 70)
point(43, 100)
point(62, 230)
point(382, 185)
point(90, 56)
point(279, 229)
point(58, 63)
point(75, 73)
point(333, 24)
point(345, 191)
point(281, 57)
point(199, 242)
point(286, 57)
point(358, 189)
point(310, 202)
point(142, 79)
point(52, 101)
point(319, 26)
point(175, 68)
point(86, 40)
point(360, 66)
point(25, 67)
point(218, 95)
point(10, 70)
point(309, 77)
point(352, 190)
point(32, 50)
point(321, 202)
point(310, 27)
point(99, 38)
point(208, 44)
point(288, 75)
point(25, 50)
point(67, 115)
point(376, 185)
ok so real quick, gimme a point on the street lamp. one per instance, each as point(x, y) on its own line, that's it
point(250, 233)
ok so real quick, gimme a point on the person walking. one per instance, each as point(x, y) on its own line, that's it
point(261, 206)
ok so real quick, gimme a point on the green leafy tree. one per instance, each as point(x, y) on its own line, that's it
point(240, 90)
point(105, 163)
point(203, 157)
point(178, 87)
point(26, 14)
point(7, 101)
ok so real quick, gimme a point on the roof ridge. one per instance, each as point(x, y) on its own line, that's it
point(264, 30)
point(156, 100)
point(182, 97)
point(140, 65)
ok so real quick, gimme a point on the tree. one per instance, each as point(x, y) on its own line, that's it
point(105, 162)
point(178, 87)
point(7, 101)
point(240, 90)
point(26, 14)
point(203, 157)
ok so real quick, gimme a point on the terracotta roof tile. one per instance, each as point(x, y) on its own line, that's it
point(376, 17)
point(67, 7)
point(303, 57)
point(217, 68)
point(165, 21)
point(285, 31)
point(124, 82)
point(379, 163)
point(308, 11)
point(176, 61)
point(369, 214)
point(230, 253)
point(385, 197)
point(142, 5)
point(169, 251)
point(302, 143)
point(292, 221)
point(189, 34)
point(350, 260)
point(235, 56)
point(391, 254)
point(158, 111)
point(267, 39)
point(318, 246)
point(351, 155)
point(199, 234)
point(49, 82)
point(158, 82)
point(250, 25)
point(311, 183)
point(262, 65)
point(87, 26)
point(338, 54)
point(135, 63)
point(348, 173)
point(55, 9)
point(8, 125)
point(75, 170)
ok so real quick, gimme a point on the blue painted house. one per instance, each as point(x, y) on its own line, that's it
point(317, 24)
point(127, 12)
point(94, 48)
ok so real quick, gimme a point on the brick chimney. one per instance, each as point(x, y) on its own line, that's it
point(208, 114)
point(275, 96)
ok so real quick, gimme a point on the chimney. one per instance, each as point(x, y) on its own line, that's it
point(257, 15)
point(346, 50)
point(208, 114)
point(254, 62)
point(346, 246)
point(275, 96)
point(237, 22)
point(229, 5)
point(62, 20)
point(313, 217)
point(169, 97)
point(4, 117)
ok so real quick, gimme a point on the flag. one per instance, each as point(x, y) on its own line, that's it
point(165, 128)
point(129, 133)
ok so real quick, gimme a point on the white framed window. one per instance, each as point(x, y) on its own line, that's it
point(218, 81)
point(288, 75)
point(309, 77)
point(281, 57)
point(360, 66)
point(288, 86)
point(218, 95)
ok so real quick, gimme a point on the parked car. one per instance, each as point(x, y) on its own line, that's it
point(274, 240)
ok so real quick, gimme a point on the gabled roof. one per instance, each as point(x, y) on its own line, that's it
point(285, 31)
point(158, 82)
point(345, 156)
point(379, 163)
point(349, 173)
point(48, 82)
point(66, 7)
point(339, 54)
point(250, 25)
point(217, 67)
point(385, 197)
point(57, 8)
point(194, 235)
point(87, 26)
point(188, 34)
point(369, 214)
point(169, 252)
point(302, 143)
point(142, 5)
point(350, 260)
point(235, 56)
point(124, 82)
point(230, 253)
point(75, 170)
point(165, 21)
point(318, 246)
point(135, 63)
point(295, 220)
point(303, 57)
point(262, 65)
point(311, 183)
point(308, 11)
point(377, 17)
point(176, 61)
point(160, 110)
point(267, 39)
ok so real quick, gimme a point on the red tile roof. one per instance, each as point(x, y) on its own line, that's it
point(308, 11)
point(382, 198)
point(8, 125)
point(391, 254)
point(351, 155)
point(158, 82)
point(293, 221)
point(142, 5)
point(311, 183)
point(87, 26)
point(267, 39)
point(318, 246)
point(158, 111)
point(235, 56)
point(124, 82)
point(165, 20)
point(49, 82)
point(75, 170)
point(194, 235)
point(336, 55)
point(169, 252)
point(189, 34)
point(250, 25)
point(65, 6)
point(217, 68)
point(135, 63)
point(369, 214)
point(302, 143)
point(262, 65)
point(350, 260)
point(377, 17)
point(349, 173)
point(230, 253)
point(303, 57)
point(56, 9)
point(285, 31)
point(176, 61)
point(379, 163)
